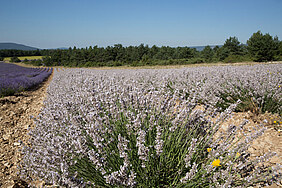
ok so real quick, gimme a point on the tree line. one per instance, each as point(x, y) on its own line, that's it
point(259, 47)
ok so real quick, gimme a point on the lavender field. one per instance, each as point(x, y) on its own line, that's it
point(139, 128)
point(14, 78)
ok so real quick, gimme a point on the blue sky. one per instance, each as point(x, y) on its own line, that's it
point(81, 23)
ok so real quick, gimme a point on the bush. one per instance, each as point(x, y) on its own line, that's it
point(37, 62)
point(15, 59)
point(163, 154)
point(195, 61)
point(262, 47)
point(115, 129)
point(7, 91)
point(26, 61)
point(251, 100)
point(236, 58)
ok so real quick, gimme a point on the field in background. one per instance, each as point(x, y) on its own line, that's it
point(156, 66)
point(25, 57)
point(179, 66)
point(14, 78)
point(162, 66)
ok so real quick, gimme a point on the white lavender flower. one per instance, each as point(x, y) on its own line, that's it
point(159, 141)
point(105, 119)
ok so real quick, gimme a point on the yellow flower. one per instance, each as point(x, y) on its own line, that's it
point(279, 86)
point(274, 121)
point(216, 162)
point(238, 154)
point(209, 149)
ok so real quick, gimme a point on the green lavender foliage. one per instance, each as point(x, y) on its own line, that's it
point(140, 128)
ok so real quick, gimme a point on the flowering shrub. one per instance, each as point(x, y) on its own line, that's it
point(140, 128)
point(14, 78)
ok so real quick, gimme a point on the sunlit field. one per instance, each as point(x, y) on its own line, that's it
point(25, 57)
point(153, 127)
point(14, 78)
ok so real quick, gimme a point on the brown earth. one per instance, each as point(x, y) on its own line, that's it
point(270, 141)
point(15, 120)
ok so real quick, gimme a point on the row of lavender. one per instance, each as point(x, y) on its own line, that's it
point(138, 128)
point(14, 78)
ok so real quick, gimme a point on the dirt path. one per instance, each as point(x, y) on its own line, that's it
point(15, 112)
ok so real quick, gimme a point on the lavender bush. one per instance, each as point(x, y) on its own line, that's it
point(141, 128)
point(14, 78)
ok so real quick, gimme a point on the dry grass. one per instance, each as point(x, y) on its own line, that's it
point(25, 65)
point(24, 57)
point(160, 66)
point(183, 66)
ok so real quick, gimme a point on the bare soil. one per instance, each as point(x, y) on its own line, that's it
point(270, 141)
point(15, 120)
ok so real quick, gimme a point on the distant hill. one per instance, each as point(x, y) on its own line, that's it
point(15, 46)
point(61, 48)
point(24, 47)
point(200, 48)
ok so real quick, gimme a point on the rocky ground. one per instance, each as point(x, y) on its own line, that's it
point(270, 141)
point(15, 120)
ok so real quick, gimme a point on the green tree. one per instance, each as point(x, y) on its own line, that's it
point(233, 46)
point(186, 52)
point(262, 47)
point(153, 51)
point(47, 61)
point(215, 49)
point(280, 51)
point(207, 54)
point(15, 59)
